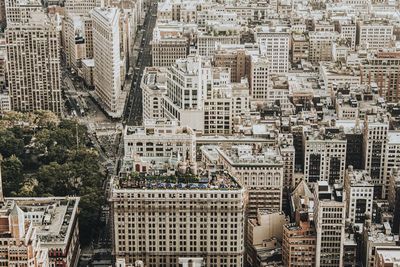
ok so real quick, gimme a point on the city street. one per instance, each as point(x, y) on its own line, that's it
point(133, 108)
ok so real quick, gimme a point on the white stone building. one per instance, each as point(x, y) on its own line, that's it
point(159, 139)
point(374, 34)
point(274, 43)
point(324, 156)
point(374, 149)
point(329, 219)
point(154, 88)
point(359, 195)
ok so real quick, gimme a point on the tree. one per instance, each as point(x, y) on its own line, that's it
point(12, 175)
point(10, 145)
point(53, 179)
point(47, 157)
point(90, 208)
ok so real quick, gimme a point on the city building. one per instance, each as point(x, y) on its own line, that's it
point(33, 64)
point(381, 70)
point(20, 11)
point(354, 136)
point(56, 223)
point(3, 13)
point(217, 32)
point(359, 192)
point(184, 98)
point(80, 7)
point(387, 257)
point(375, 237)
point(259, 75)
point(336, 76)
point(39, 231)
point(320, 45)
point(324, 156)
point(168, 44)
point(20, 245)
point(160, 222)
point(299, 47)
point(374, 150)
point(3, 63)
point(394, 198)
point(374, 34)
point(107, 57)
point(274, 42)
point(78, 36)
point(329, 219)
point(264, 236)
point(299, 244)
point(260, 172)
point(158, 139)
point(87, 71)
point(235, 59)
point(348, 31)
point(154, 88)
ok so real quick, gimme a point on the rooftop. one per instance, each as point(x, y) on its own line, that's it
point(107, 14)
point(326, 134)
point(376, 234)
point(389, 254)
point(53, 217)
point(158, 128)
point(207, 180)
point(393, 137)
point(359, 178)
point(246, 155)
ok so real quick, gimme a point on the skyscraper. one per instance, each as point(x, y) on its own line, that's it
point(106, 50)
point(18, 11)
point(329, 217)
point(33, 64)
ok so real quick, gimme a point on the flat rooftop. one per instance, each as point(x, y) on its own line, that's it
point(360, 178)
point(244, 154)
point(394, 137)
point(53, 217)
point(389, 255)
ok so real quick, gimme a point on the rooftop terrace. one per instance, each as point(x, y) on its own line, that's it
point(218, 180)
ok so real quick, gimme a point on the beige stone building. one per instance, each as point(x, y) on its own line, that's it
point(259, 77)
point(263, 235)
point(20, 11)
point(107, 56)
point(33, 64)
point(261, 173)
point(159, 223)
point(235, 59)
point(324, 156)
point(320, 47)
point(168, 44)
point(374, 34)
